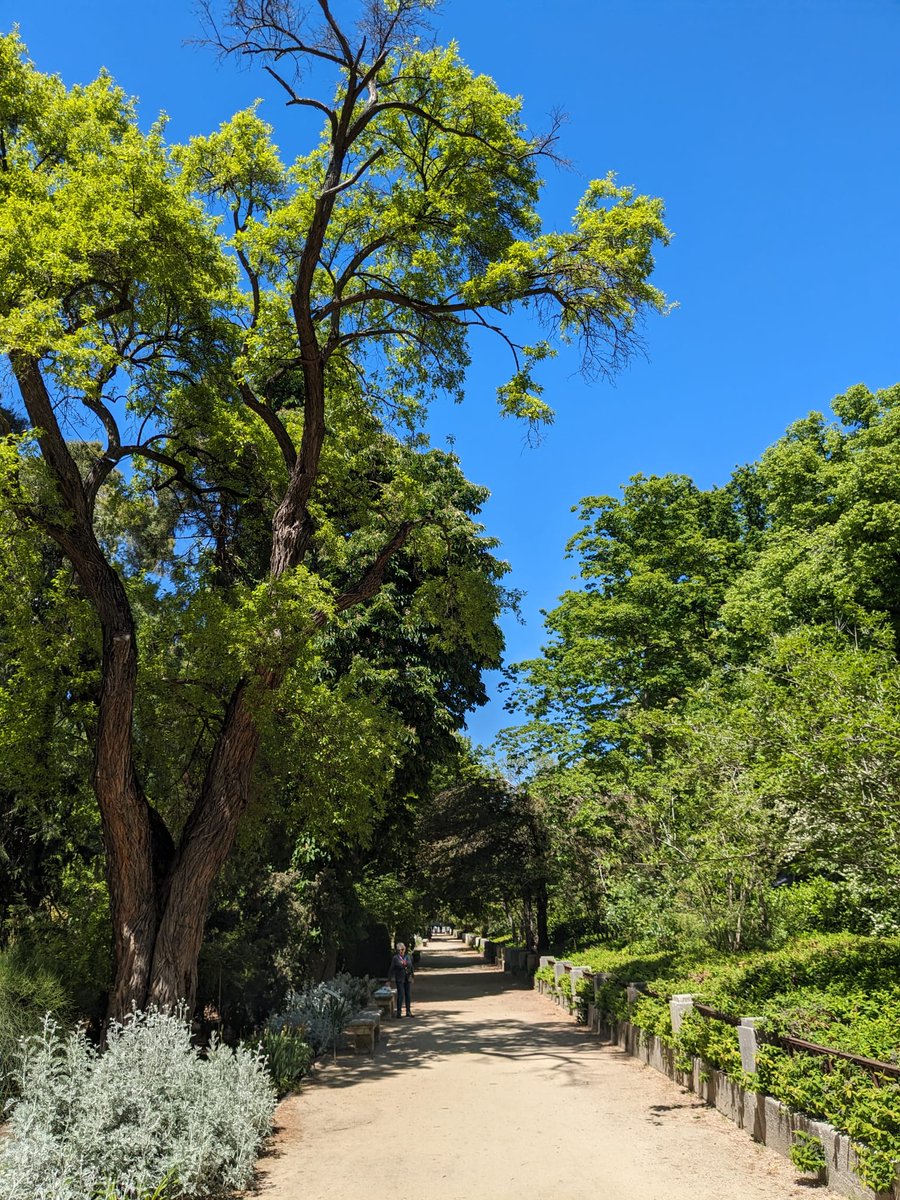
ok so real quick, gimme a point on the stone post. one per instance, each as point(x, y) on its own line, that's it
point(559, 969)
point(601, 978)
point(746, 1032)
point(678, 1006)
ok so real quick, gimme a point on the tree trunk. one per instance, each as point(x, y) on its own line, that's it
point(528, 929)
point(125, 816)
point(543, 936)
point(205, 844)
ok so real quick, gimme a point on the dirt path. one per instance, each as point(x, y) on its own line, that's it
point(490, 1093)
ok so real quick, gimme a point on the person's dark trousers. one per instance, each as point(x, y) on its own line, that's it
point(402, 994)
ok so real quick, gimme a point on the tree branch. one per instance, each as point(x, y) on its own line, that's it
point(303, 101)
point(371, 581)
point(341, 187)
point(271, 420)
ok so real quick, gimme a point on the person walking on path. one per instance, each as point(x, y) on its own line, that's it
point(400, 974)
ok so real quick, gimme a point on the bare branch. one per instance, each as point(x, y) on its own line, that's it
point(349, 57)
point(267, 27)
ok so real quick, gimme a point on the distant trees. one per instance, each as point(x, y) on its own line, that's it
point(484, 851)
point(717, 708)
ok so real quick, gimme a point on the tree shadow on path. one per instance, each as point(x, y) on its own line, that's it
point(459, 1008)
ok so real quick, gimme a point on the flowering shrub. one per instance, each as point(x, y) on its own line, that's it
point(149, 1117)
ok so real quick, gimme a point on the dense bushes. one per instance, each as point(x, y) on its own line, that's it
point(836, 990)
point(27, 994)
point(150, 1114)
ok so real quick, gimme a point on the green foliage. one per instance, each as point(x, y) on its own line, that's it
point(807, 1153)
point(866, 1108)
point(483, 848)
point(288, 1057)
point(27, 995)
point(714, 725)
point(149, 1113)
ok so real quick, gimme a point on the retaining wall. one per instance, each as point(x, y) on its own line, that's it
point(766, 1119)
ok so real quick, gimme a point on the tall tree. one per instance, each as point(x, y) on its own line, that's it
point(640, 632)
point(229, 367)
point(484, 848)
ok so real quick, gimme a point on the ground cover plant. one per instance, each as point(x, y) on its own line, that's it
point(152, 1114)
point(835, 990)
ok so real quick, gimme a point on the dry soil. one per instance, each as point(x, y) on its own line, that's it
point(490, 1093)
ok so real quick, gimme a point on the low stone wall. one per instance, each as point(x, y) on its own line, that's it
point(513, 959)
point(766, 1119)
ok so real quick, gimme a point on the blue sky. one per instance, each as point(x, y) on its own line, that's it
point(772, 130)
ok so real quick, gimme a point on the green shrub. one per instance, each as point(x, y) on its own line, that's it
point(838, 990)
point(584, 995)
point(27, 995)
point(807, 1153)
point(288, 1057)
point(150, 1115)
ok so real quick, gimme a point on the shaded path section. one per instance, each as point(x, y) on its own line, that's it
point(490, 1093)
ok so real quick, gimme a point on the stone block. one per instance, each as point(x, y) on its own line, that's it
point(659, 1056)
point(678, 1006)
point(746, 1032)
point(728, 1097)
point(778, 1126)
point(755, 1115)
point(705, 1081)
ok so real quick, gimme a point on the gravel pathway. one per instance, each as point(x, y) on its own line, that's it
point(490, 1093)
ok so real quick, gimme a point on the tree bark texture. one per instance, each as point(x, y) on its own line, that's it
point(124, 812)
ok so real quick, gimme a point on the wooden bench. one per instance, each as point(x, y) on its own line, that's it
point(364, 1030)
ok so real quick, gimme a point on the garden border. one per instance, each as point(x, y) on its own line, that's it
point(766, 1119)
